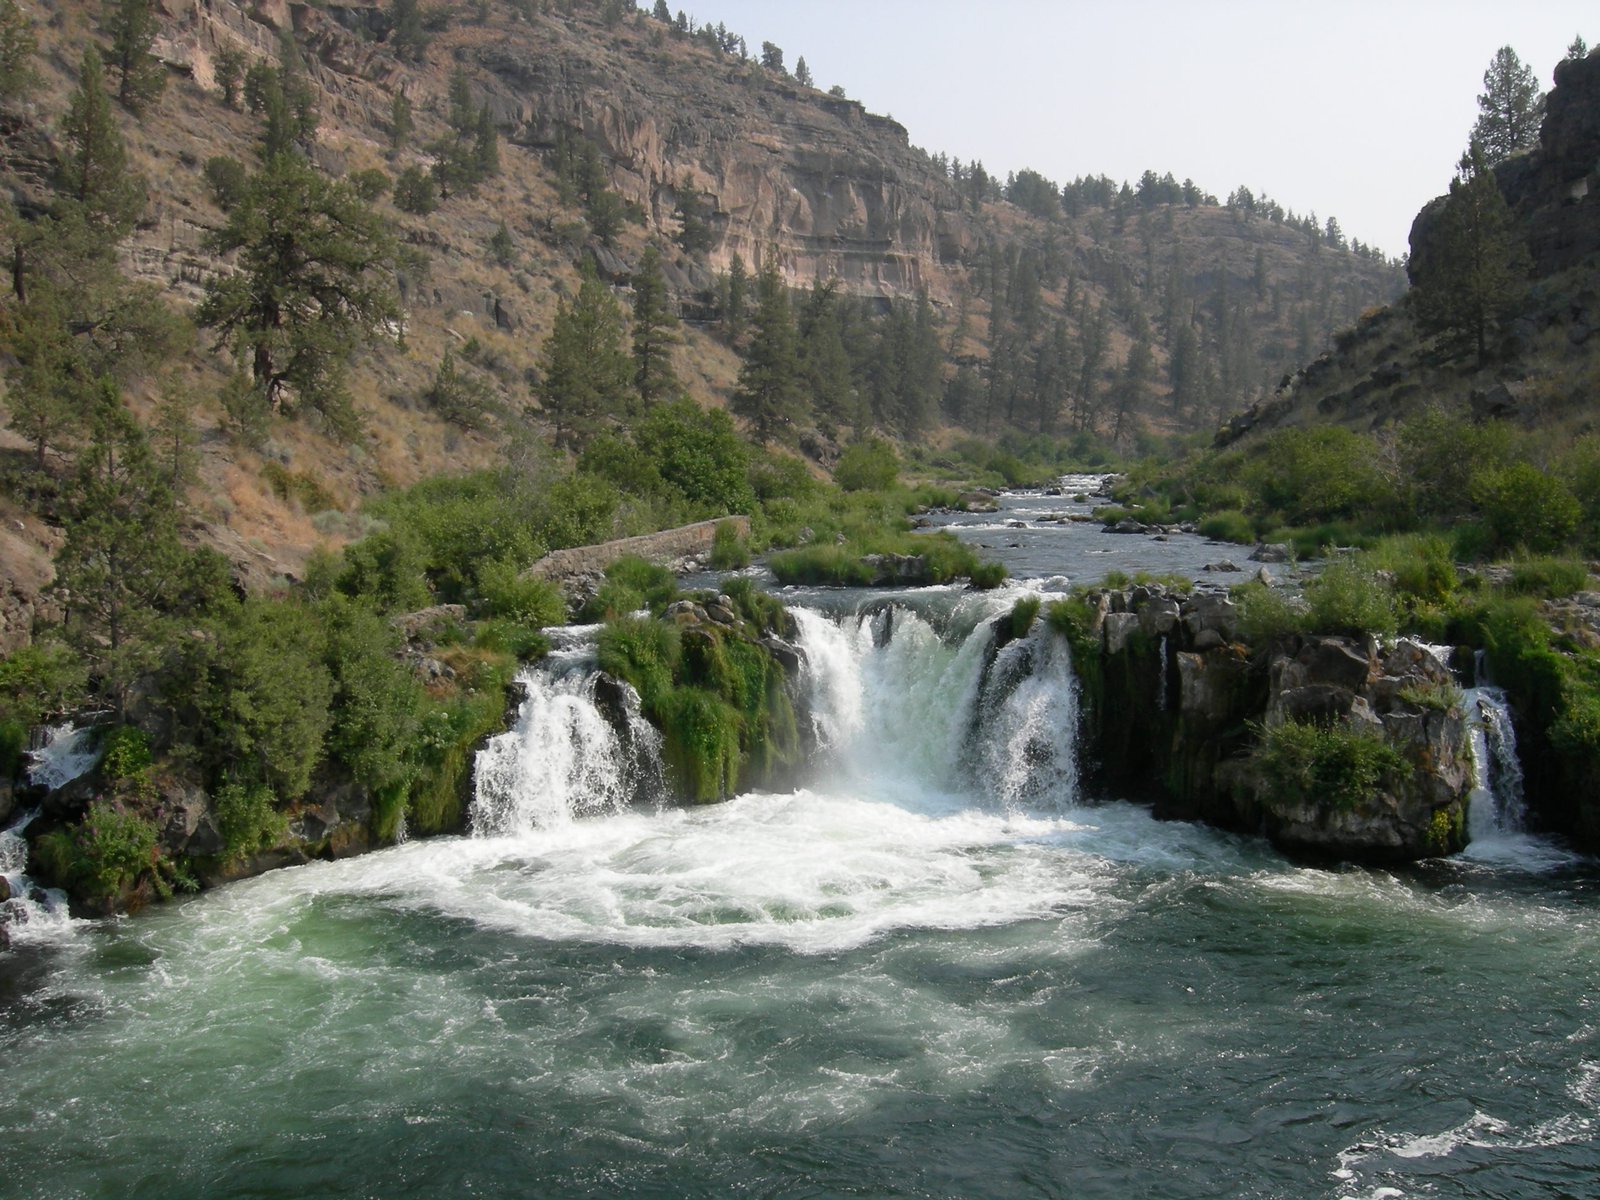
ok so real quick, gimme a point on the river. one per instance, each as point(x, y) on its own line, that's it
point(936, 970)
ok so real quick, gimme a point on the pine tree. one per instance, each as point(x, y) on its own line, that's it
point(310, 284)
point(824, 361)
point(407, 34)
point(228, 69)
point(1510, 108)
point(585, 374)
point(120, 562)
point(47, 400)
point(802, 73)
point(131, 25)
point(653, 332)
point(400, 121)
point(1476, 269)
point(735, 296)
point(769, 395)
point(94, 168)
point(17, 45)
point(1579, 48)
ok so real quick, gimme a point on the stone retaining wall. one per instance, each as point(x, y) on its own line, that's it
point(662, 547)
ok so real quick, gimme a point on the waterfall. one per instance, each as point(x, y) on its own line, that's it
point(31, 913)
point(902, 704)
point(1496, 804)
point(580, 747)
point(66, 752)
point(1026, 743)
point(934, 710)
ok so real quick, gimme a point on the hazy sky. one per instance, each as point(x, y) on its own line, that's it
point(1357, 110)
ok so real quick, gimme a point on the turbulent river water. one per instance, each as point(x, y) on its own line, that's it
point(936, 970)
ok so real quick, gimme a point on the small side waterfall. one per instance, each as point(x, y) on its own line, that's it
point(580, 747)
point(1026, 732)
point(1497, 805)
point(30, 912)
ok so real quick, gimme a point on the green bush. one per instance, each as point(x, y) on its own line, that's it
point(867, 465)
point(631, 584)
point(700, 742)
point(254, 695)
point(1420, 564)
point(762, 609)
point(1548, 578)
point(1266, 613)
point(1228, 526)
point(125, 758)
point(103, 855)
point(988, 575)
point(248, 820)
point(828, 564)
point(448, 734)
point(1526, 508)
point(729, 550)
point(1347, 597)
point(644, 653)
point(40, 680)
point(1305, 762)
point(1023, 614)
point(508, 593)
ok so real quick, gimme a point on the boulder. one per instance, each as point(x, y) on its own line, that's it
point(1272, 552)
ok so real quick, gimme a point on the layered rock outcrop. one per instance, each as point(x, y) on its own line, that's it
point(1178, 704)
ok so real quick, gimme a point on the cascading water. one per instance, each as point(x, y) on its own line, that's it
point(31, 912)
point(891, 698)
point(1497, 804)
point(566, 755)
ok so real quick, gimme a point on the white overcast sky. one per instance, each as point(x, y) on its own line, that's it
point(1357, 110)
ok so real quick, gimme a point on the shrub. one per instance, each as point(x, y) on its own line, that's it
point(508, 593)
point(1305, 762)
point(1349, 598)
point(1266, 613)
point(104, 854)
point(248, 820)
point(729, 550)
point(645, 653)
point(867, 465)
point(414, 192)
point(839, 566)
point(40, 680)
point(1228, 526)
point(1440, 696)
point(1421, 565)
point(631, 584)
point(700, 742)
point(228, 180)
point(1548, 578)
point(988, 575)
point(1526, 508)
point(1023, 613)
point(125, 755)
point(369, 184)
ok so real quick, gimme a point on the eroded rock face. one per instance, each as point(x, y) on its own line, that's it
point(1177, 703)
point(1554, 189)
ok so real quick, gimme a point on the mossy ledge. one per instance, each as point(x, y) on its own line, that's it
point(715, 674)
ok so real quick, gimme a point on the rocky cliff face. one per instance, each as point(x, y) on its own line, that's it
point(1177, 704)
point(1554, 189)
